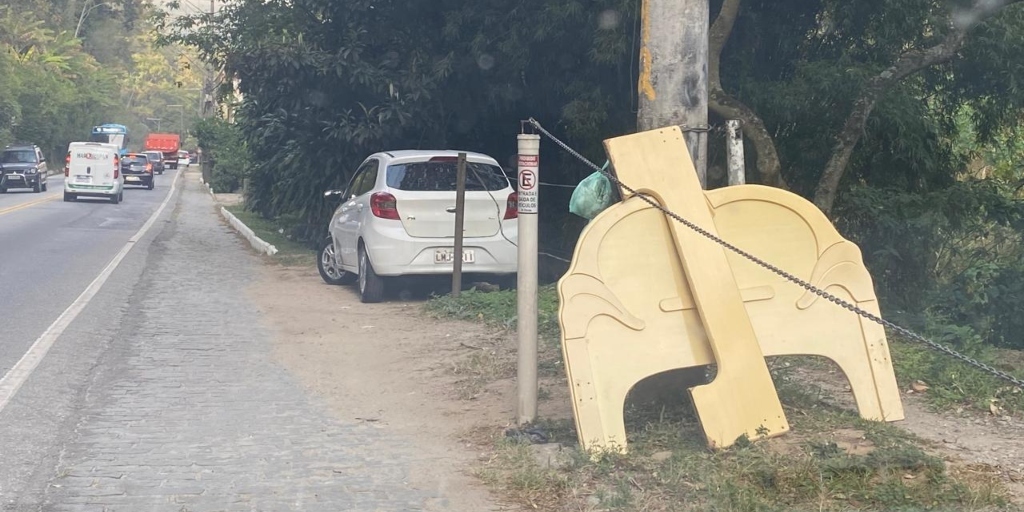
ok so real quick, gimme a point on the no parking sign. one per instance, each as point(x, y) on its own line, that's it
point(528, 167)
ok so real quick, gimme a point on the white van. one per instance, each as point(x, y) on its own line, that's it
point(93, 170)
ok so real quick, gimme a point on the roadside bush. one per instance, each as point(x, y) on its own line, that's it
point(950, 257)
point(223, 145)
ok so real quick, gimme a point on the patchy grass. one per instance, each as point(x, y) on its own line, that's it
point(953, 384)
point(831, 460)
point(499, 309)
point(496, 359)
point(289, 252)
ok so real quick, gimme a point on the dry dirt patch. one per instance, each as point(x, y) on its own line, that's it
point(388, 365)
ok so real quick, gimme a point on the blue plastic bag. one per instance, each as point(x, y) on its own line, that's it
point(592, 196)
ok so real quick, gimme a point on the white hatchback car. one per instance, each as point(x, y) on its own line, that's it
point(398, 219)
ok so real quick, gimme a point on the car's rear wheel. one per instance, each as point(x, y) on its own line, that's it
point(44, 187)
point(150, 187)
point(116, 198)
point(371, 286)
point(3, 190)
point(330, 270)
point(69, 197)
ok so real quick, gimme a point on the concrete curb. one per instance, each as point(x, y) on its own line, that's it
point(256, 242)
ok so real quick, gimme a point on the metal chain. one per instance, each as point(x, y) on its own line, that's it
point(786, 275)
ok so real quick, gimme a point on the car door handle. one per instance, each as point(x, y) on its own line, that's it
point(450, 209)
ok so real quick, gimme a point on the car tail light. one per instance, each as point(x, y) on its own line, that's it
point(512, 206)
point(117, 167)
point(444, 159)
point(67, 165)
point(384, 205)
point(149, 168)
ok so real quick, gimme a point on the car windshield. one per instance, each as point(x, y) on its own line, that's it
point(18, 156)
point(442, 176)
point(109, 138)
point(134, 160)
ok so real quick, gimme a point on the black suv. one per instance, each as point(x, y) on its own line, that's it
point(22, 166)
point(157, 159)
point(137, 170)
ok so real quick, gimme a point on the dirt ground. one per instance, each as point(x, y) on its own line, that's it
point(390, 365)
point(969, 440)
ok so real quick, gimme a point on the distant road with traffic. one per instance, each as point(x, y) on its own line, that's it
point(50, 250)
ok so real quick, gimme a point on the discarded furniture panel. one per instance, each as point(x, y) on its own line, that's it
point(646, 294)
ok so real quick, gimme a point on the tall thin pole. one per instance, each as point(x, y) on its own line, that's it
point(529, 177)
point(460, 215)
point(734, 152)
point(673, 85)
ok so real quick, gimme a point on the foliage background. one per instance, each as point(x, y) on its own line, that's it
point(54, 86)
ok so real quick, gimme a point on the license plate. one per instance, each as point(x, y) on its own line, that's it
point(448, 256)
point(130, 178)
point(82, 179)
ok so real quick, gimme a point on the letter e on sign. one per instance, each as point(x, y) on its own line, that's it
point(528, 183)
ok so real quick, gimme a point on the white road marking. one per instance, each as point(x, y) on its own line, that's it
point(13, 380)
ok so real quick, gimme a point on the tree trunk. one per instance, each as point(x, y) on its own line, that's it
point(768, 165)
point(907, 64)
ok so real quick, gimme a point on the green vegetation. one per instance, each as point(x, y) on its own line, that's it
point(56, 84)
point(275, 232)
point(226, 153)
point(499, 308)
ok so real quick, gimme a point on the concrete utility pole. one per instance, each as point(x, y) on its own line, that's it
point(673, 90)
point(528, 160)
point(208, 81)
point(673, 86)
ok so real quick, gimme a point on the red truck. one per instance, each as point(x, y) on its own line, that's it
point(166, 143)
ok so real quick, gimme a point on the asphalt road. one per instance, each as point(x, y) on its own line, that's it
point(51, 250)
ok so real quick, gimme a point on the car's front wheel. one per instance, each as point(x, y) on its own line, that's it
point(371, 286)
point(330, 269)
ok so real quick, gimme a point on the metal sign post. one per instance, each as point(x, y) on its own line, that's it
point(460, 215)
point(526, 296)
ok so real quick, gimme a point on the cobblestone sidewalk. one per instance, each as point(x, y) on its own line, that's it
point(188, 413)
